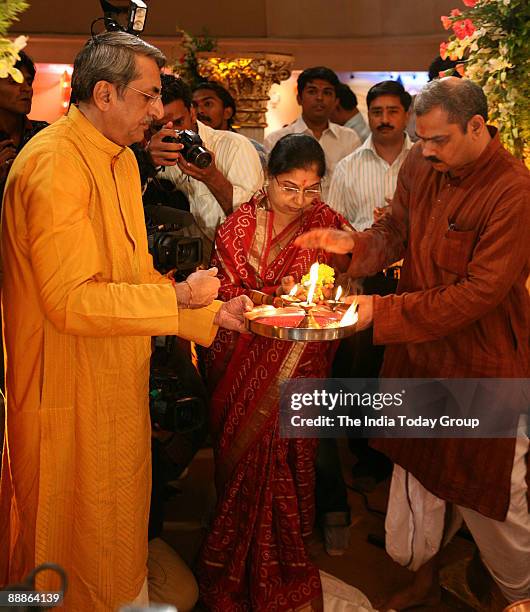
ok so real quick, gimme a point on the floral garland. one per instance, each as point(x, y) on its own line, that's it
point(9, 9)
point(492, 38)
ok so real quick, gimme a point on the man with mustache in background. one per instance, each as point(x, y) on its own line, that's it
point(365, 179)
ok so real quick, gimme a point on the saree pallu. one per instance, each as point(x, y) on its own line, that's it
point(254, 556)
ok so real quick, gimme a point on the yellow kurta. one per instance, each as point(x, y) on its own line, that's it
point(81, 300)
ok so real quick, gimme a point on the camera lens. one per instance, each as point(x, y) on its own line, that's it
point(199, 157)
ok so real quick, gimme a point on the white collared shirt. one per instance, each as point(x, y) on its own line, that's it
point(362, 181)
point(336, 140)
point(237, 159)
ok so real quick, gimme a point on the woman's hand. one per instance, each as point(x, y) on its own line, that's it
point(286, 285)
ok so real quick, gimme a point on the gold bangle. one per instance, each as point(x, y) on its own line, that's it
point(190, 300)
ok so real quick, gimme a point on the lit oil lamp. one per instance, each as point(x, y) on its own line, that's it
point(335, 302)
point(291, 299)
point(309, 320)
point(350, 317)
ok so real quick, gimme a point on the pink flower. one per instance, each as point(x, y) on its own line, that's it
point(446, 22)
point(443, 50)
point(463, 29)
point(461, 69)
point(469, 27)
point(456, 13)
point(470, 3)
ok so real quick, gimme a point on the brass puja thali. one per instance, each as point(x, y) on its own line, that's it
point(306, 315)
point(302, 324)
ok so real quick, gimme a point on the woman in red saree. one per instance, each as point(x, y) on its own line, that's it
point(254, 556)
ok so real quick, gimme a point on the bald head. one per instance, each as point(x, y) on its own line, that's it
point(461, 99)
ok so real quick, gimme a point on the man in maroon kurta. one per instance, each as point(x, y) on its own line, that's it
point(460, 218)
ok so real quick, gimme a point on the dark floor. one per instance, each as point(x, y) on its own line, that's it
point(365, 566)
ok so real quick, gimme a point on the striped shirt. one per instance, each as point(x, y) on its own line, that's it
point(362, 181)
point(237, 160)
point(336, 140)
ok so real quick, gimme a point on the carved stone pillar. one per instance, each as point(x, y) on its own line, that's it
point(249, 80)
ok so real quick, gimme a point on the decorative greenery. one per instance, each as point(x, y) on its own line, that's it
point(187, 66)
point(9, 10)
point(492, 37)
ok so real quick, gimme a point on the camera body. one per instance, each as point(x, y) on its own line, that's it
point(173, 251)
point(193, 151)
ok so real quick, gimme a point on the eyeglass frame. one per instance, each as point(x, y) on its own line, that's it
point(296, 191)
point(153, 99)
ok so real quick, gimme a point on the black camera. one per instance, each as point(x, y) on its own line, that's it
point(171, 251)
point(168, 247)
point(193, 151)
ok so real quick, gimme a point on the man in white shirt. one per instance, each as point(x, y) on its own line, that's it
point(213, 192)
point(365, 181)
point(317, 96)
point(347, 114)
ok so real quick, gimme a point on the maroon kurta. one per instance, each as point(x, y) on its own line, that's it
point(461, 309)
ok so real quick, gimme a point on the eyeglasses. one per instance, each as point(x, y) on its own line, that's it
point(152, 99)
point(308, 194)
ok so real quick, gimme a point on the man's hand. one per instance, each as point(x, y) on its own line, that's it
point(365, 309)
point(199, 289)
point(164, 153)
point(7, 155)
point(230, 315)
point(331, 240)
point(381, 212)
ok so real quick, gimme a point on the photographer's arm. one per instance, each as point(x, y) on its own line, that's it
point(220, 187)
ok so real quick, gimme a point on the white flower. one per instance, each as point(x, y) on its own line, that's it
point(20, 42)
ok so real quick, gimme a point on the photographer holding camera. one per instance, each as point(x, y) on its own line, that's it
point(214, 189)
point(81, 300)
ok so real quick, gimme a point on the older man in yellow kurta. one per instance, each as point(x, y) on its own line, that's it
point(81, 300)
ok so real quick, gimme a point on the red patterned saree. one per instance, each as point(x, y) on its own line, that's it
point(254, 556)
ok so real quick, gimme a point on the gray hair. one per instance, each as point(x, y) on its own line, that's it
point(460, 99)
point(110, 57)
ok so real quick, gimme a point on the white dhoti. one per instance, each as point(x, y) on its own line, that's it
point(415, 526)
